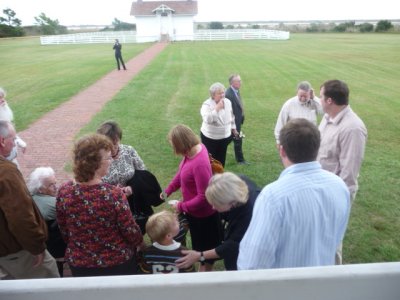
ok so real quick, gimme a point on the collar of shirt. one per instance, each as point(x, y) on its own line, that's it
point(301, 167)
point(338, 117)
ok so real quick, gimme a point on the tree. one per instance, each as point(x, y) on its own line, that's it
point(366, 27)
point(10, 25)
point(216, 25)
point(120, 26)
point(49, 26)
point(10, 18)
point(383, 25)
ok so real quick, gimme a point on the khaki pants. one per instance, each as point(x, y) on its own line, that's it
point(20, 266)
point(339, 254)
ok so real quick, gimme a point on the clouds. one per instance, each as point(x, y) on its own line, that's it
point(94, 12)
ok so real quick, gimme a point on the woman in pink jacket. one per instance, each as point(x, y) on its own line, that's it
point(192, 178)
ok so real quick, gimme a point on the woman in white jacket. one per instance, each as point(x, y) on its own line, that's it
point(218, 125)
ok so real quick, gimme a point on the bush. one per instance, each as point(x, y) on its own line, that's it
point(216, 25)
point(366, 27)
point(10, 31)
point(383, 25)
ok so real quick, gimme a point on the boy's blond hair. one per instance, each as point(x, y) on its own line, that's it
point(160, 224)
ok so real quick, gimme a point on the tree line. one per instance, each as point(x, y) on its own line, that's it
point(381, 26)
point(10, 25)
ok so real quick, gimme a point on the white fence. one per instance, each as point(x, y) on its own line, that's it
point(105, 37)
point(354, 282)
point(108, 37)
point(249, 34)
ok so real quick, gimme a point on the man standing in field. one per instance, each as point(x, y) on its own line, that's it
point(232, 93)
point(304, 105)
point(118, 55)
point(300, 219)
point(343, 138)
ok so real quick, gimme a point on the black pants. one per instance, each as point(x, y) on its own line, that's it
point(217, 148)
point(237, 146)
point(127, 268)
point(119, 58)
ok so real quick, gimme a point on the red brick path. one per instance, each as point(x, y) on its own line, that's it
point(51, 137)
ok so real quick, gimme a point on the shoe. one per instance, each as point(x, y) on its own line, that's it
point(243, 163)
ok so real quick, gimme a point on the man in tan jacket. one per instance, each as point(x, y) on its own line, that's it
point(23, 231)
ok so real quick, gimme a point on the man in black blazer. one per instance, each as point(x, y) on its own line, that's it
point(118, 55)
point(232, 93)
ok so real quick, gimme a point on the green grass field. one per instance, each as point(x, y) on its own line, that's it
point(172, 89)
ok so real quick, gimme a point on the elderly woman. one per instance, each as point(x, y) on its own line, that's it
point(94, 216)
point(43, 187)
point(125, 165)
point(234, 197)
point(218, 122)
point(192, 178)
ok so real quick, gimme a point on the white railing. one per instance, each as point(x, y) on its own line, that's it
point(104, 37)
point(356, 282)
point(241, 34)
point(108, 37)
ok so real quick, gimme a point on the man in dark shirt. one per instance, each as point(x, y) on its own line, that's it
point(232, 93)
point(118, 56)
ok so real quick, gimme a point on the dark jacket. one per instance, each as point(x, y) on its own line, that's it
point(21, 224)
point(146, 193)
point(237, 110)
point(237, 220)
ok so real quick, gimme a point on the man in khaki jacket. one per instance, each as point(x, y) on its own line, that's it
point(23, 231)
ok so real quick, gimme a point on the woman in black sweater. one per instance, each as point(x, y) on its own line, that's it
point(234, 198)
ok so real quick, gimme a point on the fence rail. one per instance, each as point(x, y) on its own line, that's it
point(108, 37)
point(355, 282)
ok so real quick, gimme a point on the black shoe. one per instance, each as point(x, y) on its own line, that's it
point(243, 162)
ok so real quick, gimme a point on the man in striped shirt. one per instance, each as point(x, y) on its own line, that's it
point(300, 219)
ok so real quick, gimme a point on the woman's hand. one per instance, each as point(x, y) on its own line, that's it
point(220, 105)
point(127, 191)
point(175, 206)
point(188, 260)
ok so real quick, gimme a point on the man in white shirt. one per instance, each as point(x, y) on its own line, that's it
point(300, 219)
point(304, 105)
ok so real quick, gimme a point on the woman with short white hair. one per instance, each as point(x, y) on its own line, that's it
point(43, 188)
point(218, 122)
point(234, 198)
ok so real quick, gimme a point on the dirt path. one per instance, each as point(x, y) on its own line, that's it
point(51, 137)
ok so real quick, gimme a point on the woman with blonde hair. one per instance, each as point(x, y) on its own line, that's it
point(218, 125)
point(192, 178)
point(94, 217)
point(234, 198)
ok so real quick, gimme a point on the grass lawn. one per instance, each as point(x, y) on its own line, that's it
point(39, 78)
point(172, 89)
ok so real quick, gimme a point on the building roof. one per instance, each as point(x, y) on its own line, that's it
point(147, 8)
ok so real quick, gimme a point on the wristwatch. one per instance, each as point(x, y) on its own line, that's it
point(202, 259)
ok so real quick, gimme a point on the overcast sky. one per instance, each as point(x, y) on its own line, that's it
point(103, 12)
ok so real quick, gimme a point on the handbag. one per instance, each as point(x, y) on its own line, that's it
point(216, 165)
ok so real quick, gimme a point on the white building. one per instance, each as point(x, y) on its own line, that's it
point(164, 20)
